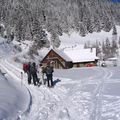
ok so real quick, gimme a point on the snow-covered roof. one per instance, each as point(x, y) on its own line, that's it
point(78, 55)
point(81, 55)
point(63, 55)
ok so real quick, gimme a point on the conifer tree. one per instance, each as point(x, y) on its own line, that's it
point(58, 16)
point(39, 35)
point(107, 50)
point(55, 40)
point(119, 42)
point(114, 30)
point(114, 48)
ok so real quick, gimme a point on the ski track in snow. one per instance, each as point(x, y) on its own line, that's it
point(71, 103)
point(98, 96)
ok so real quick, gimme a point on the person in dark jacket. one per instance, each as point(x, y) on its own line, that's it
point(28, 71)
point(49, 74)
point(34, 74)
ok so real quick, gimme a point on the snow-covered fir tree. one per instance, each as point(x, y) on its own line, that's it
point(83, 16)
point(119, 42)
point(114, 46)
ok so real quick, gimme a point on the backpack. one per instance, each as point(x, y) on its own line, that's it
point(49, 70)
point(24, 67)
point(33, 69)
point(43, 69)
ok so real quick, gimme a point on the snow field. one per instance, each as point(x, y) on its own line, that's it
point(78, 94)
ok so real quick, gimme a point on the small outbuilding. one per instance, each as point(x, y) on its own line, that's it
point(64, 59)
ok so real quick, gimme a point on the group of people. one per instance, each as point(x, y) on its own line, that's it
point(36, 73)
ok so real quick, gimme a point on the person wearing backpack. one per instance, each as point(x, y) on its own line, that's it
point(28, 71)
point(34, 74)
point(49, 74)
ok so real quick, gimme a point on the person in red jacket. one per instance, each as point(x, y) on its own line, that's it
point(24, 67)
point(27, 69)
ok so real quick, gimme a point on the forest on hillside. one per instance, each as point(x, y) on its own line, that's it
point(30, 19)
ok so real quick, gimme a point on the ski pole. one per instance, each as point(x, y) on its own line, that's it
point(21, 78)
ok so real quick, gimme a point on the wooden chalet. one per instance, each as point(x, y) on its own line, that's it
point(71, 58)
point(59, 59)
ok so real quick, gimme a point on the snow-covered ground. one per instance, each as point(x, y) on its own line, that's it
point(78, 93)
point(14, 96)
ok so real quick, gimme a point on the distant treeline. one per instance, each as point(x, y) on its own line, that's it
point(30, 19)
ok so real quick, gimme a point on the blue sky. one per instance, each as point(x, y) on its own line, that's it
point(115, 0)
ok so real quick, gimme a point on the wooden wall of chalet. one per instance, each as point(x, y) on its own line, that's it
point(85, 64)
point(58, 62)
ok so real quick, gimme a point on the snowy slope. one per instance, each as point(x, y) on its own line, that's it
point(13, 96)
point(78, 93)
point(75, 39)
